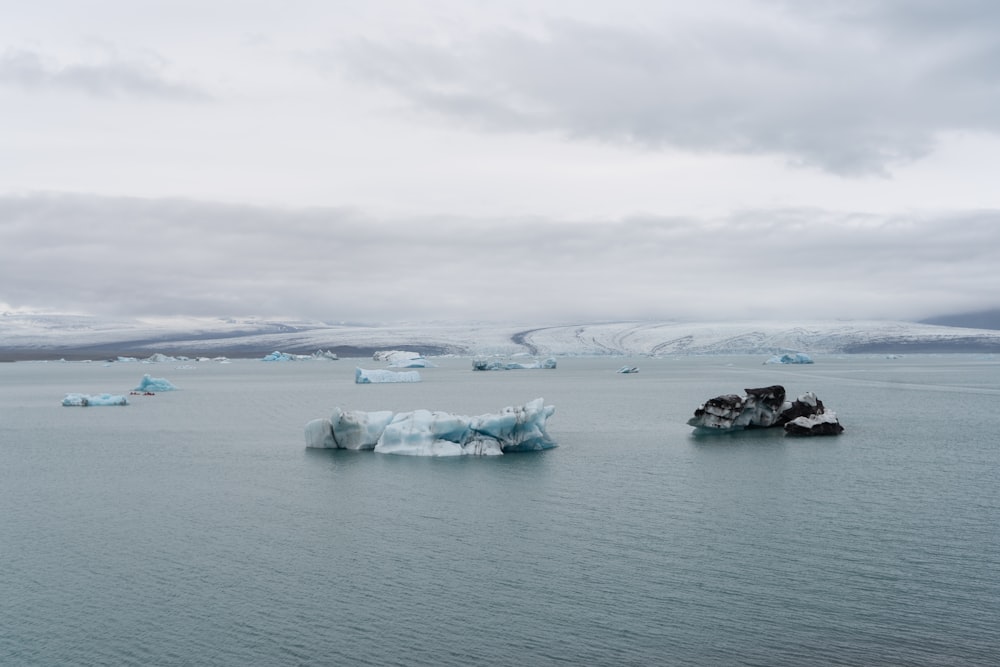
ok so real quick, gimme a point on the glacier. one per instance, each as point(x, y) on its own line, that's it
point(434, 433)
point(54, 336)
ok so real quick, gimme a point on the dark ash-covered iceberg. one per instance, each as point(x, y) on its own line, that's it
point(765, 407)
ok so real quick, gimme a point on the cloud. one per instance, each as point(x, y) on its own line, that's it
point(114, 77)
point(852, 91)
point(124, 256)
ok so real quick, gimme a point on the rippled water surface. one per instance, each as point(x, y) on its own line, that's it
point(193, 527)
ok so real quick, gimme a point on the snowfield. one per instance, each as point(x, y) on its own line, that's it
point(32, 336)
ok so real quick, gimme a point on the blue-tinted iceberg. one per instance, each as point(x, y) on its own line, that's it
point(84, 400)
point(149, 383)
point(427, 433)
point(797, 358)
point(378, 376)
point(278, 356)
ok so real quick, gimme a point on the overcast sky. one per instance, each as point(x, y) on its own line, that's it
point(516, 160)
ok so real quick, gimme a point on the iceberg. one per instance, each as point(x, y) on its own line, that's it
point(416, 362)
point(759, 408)
point(765, 407)
point(628, 369)
point(797, 358)
point(401, 358)
point(154, 384)
point(821, 424)
point(434, 433)
point(278, 356)
point(378, 376)
point(84, 400)
point(499, 364)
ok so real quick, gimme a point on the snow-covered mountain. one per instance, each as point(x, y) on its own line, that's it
point(33, 336)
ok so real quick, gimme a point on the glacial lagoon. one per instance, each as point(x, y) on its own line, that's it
point(195, 527)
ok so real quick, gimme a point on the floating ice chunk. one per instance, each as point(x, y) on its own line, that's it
point(84, 400)
point(278, 356)
point(154, 384)
point(354, 429)
point(319, 434)
point(378, 375)
point(760, 408)
point(628, 369)
point(426, 433)
point(497, 364)
point(825, 423)
point(765, 407)
point(797, 358)
point(518, 429)
point(325, 355)
point(415, 362)
point(395, 357)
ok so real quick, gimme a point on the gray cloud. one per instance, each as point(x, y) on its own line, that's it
point(181, 257)
point(851, 89)
point(114, 77)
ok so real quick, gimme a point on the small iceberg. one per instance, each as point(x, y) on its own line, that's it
point(149, 384)
point(84, 400)
point(797, 358)
point(379, 376)
point(500, 364)
point(628, 369)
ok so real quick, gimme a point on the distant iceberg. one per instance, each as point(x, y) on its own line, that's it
point(154, 384)
point(402, 359)
point(628, 369)
point(797, 358)
point(503, 364)
point(379, 376)
point(427, 433)
point(84, 400)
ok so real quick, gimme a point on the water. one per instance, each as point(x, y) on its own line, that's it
point(193, 527)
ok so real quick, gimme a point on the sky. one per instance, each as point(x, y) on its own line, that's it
point(548, 161)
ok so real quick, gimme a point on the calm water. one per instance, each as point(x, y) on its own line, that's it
point(194, 527)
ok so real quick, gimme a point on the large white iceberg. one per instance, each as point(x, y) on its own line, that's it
point(427, 433)
point(378, 375)
point(84, 400)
